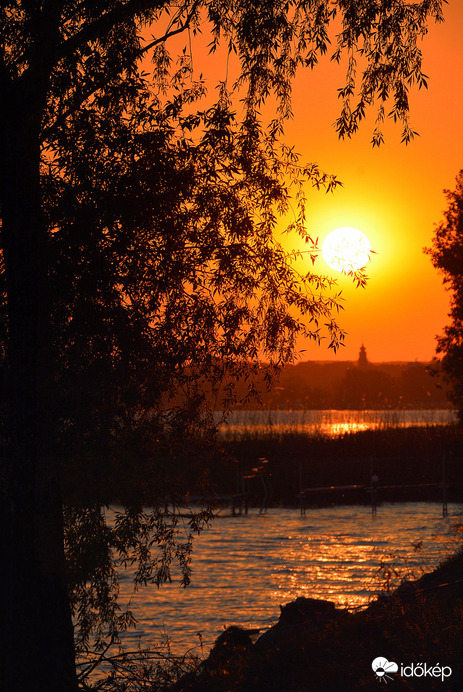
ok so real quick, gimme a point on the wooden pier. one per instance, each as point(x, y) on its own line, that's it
point(373, 489)
point(238, 503)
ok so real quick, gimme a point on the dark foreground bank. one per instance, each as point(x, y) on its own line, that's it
point(411, 638)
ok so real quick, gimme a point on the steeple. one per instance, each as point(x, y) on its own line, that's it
point(362, 360)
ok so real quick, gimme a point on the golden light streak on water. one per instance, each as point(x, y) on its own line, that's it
point(244, 568)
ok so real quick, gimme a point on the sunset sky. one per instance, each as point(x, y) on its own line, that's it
point(393, 194)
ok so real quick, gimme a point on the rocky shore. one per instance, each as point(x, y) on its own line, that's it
point(411, 638)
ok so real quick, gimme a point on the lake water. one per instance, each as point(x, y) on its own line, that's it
point(331, 422)
point(245, 567)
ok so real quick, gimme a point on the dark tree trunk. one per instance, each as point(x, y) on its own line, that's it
point(38, 649)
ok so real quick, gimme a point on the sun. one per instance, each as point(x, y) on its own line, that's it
point(346, 249)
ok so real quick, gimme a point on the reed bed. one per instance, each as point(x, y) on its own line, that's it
point(245, 424)
point(398, 456)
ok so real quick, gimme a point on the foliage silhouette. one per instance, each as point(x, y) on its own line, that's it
point(139, 263)
point(446, 255)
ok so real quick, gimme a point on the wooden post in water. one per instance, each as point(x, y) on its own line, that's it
point(301, 495)
point(244, 491)
point(444, 489)
point(373, 490)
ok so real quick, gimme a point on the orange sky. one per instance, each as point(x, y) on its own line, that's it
point(393, 194)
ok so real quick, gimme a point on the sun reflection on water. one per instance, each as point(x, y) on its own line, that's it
point(329, 422)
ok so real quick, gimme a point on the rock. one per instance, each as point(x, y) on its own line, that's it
point(232, 643)
point(298, 619)
point(231, 655)
point(315, 646)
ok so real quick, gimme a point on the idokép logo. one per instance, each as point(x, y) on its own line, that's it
point(383, 669)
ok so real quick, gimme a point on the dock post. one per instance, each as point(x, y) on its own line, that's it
point(301, 496)
point(374, 478)
point(444, 489)
point(245, 486)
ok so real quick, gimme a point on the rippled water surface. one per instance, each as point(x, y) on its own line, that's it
point(245, 567)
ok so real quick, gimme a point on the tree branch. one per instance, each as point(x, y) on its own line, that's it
point(103, 24)
point(47, 37)
point(172, 32)
point(93, 88)
point(102, 657)
point(4, 72)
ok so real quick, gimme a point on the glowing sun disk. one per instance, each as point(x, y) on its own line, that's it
point(346, 249)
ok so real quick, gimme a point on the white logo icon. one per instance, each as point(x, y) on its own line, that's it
point(382, 667)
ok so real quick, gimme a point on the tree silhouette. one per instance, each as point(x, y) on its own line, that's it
point(139, 259)
point(447, 256)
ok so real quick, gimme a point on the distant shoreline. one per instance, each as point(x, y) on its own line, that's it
point(353, 385)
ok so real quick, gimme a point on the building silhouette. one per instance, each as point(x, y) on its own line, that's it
point(362, 359)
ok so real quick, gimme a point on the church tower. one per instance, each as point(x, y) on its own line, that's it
point(362, 360)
